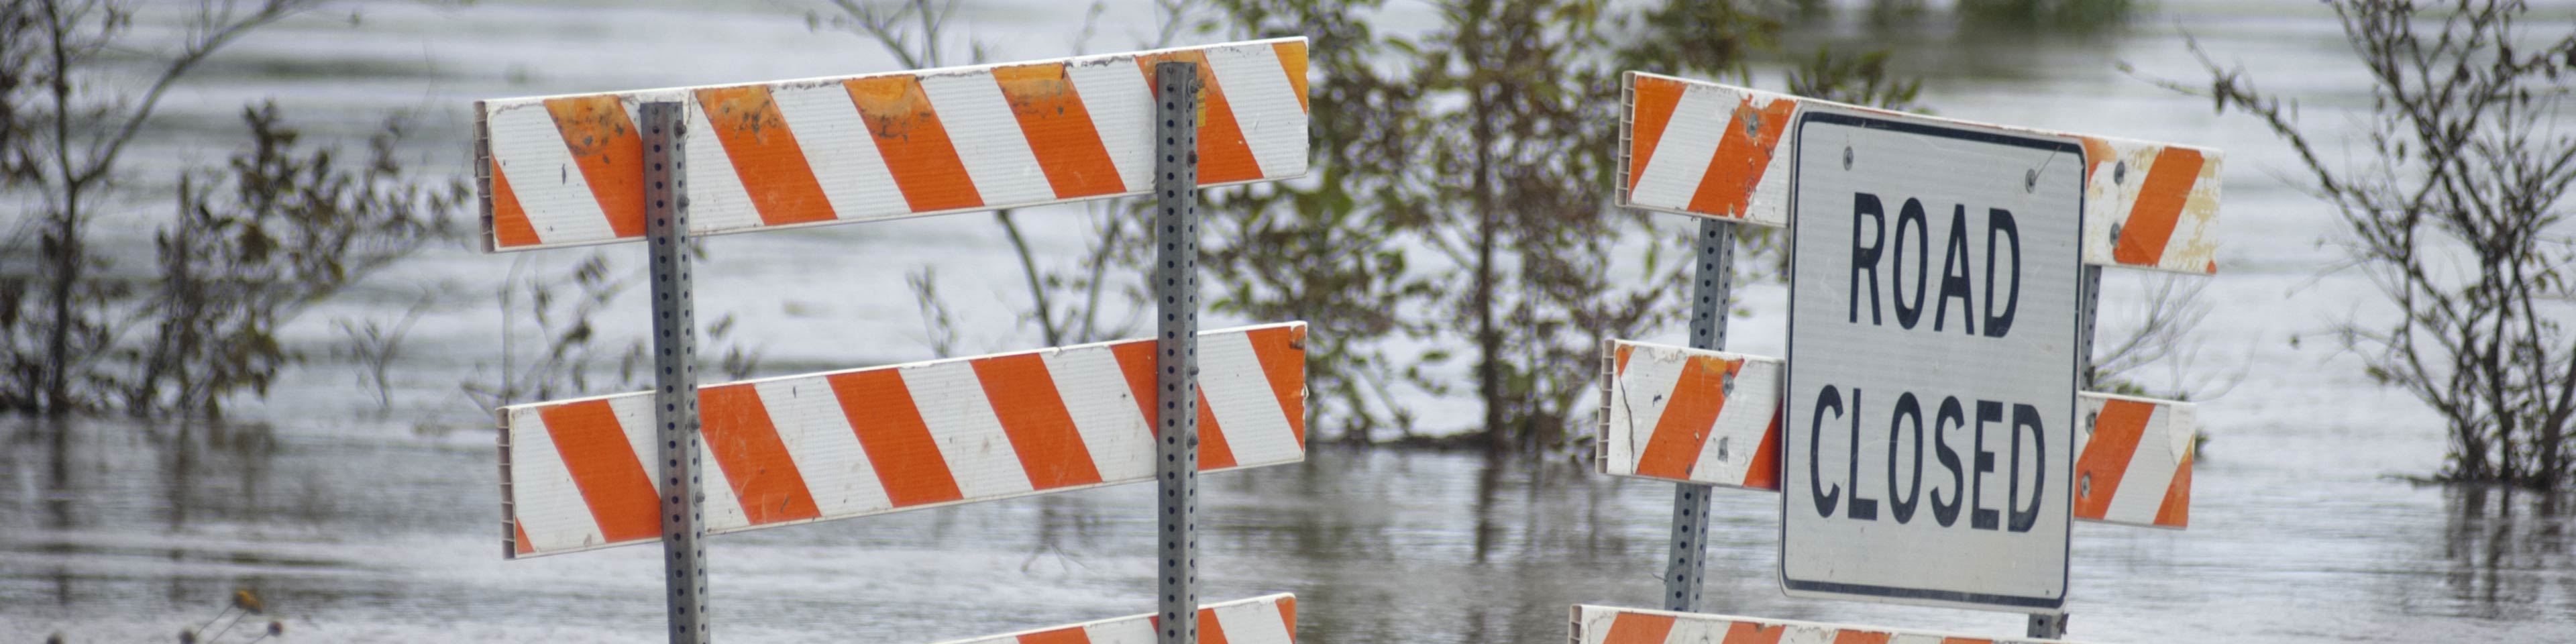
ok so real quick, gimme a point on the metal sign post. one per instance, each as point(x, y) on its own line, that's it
point(1176, 287)
point(675, 364)
point(1714, 274)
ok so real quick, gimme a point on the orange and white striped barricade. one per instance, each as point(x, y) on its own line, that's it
point(1725, 154)
point(558, 171)
point(1719, 151)
point(845, 444)
point(1609, 625)
point(1268, 619)
point(1713, 418)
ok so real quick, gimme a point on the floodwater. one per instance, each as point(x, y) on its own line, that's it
point(360, 526)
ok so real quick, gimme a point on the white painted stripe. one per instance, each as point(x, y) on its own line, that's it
point(962, 424)
point(548, 503)
point(988, 137)
point(818, 437)
point(1696, 631)
point(717, 199)
point(1104, 412)
point(722, 508)
point(1239, 394)
point(1124, 631)
point(839, 148)
point(1265, 106)
point(635, 418)
point(2150, 473)
point(2111, 193)
point(1806, 634)
point(1769, 204)
point(1121, 104)
point(530, 152)
point(1256, 622)
point(1914, 638)
point(1690, 141)
point(1643, 392)
point(1736, 436)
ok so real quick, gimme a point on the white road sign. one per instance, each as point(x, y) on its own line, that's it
point(1932, 358)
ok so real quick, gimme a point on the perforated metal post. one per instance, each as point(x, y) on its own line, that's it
point(1712, 280)
point(675, 377)
point(1176, 287)
point(2052, 625)
point(2090, 308)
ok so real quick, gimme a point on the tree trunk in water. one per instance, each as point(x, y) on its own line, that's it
point(67, 264)
point(1489, 341)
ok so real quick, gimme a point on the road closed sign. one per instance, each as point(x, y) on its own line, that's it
point(1932, 361)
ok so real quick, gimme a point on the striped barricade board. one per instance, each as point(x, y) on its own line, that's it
point(1721, 151)
point(1268, 619)
point(1608, 625)
point(566, 170)
point(1710, 417)
point(843, 444)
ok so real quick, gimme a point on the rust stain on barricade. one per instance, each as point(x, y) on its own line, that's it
point(915, 144)
point(765, 154)
point(604, 143)
point(1059, 130)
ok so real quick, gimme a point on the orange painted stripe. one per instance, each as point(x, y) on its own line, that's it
point(1288, 605)
point(605, 143)
point(1764, 472)
point(1741, 157)
point(2096, 153)
point(1752, 633)
point(889, 426)
point(2106, 458)
point(1634, 628)
point(1292, 59)
point(764, 478)
point(1136, 361)
point(521, 544)
point(1860, 637)
point(1025, 399)
point(1283, 361)
point(1223, 155)
point(603, 467)
point(2176, 509)
point(1211, 629)
point(1622, 354)
point(765, 155)
point(2160, 199)
point(1655, 98)
point(1066, 635)
point(914, 143)
point(510, 227)
point(1059, 130)
point(1214, 452)
point(1673, 450)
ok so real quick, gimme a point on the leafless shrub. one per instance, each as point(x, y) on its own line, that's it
point(2456, 214)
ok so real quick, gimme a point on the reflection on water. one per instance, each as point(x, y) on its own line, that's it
point(126, 532)
point(2506, 548)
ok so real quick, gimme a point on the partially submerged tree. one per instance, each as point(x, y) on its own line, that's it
point(2457, 213)
point(1463, 201)
point(253, 245)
